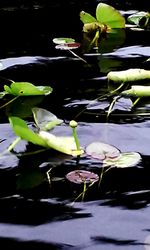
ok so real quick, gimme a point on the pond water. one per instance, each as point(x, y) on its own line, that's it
point(43, 213)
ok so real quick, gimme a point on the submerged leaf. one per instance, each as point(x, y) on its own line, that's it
point(64, 144)
point(102, 151)
point(44, 119)
point(125, 160)
point(26, 89)
point(82, 176)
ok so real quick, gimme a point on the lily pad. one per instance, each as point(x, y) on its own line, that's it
point(44, 119)
point(82, 176)
point(102, 151)
point(125, 160)
point(67, 46)
point(63, 40)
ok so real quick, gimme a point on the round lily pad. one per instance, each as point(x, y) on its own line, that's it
point(102, 151)
point(82, 176)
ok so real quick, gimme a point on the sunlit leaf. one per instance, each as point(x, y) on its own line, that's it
point(64, 144)
point(24, 132)
point(27, 89)
point(44, 119)
point(125, 160)
point(63, 40)
point(109, 16)
point(102, 151)
point(86, 17)
point(82, 176)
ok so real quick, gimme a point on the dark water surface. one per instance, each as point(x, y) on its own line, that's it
point(34, 213)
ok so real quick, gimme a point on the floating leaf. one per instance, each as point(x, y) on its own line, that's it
point(26, 89)
point(140, 18)
point(67, 46)
point(22, 130)
point(63, 40)
point(82, 176)
point(125, 160)
point(44, 119)
point(64, 144)
point(102, 151)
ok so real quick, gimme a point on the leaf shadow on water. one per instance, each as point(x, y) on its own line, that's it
point(17, 244)
point(17, 210)
point(117, 242)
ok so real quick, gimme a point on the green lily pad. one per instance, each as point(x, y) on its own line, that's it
point(63, 40)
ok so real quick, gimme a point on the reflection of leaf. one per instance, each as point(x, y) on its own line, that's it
point(29, 179)
point(26, 89)
point(108, 15)
point(44, 119)
point(102, 151)
point(22, 106)
point(82, 176)
point(112, 41)
point(8, 160)
point(125, 160)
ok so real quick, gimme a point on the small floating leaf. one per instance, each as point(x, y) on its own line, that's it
point(44, 119)
point(63, 40)
point(64, 144)
point(82, 176)
point(125, 160)
point(67, 46)
point(102, 151)
point(27, 89)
